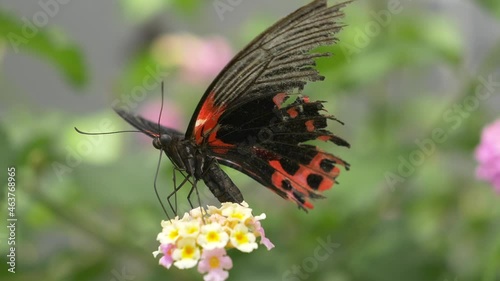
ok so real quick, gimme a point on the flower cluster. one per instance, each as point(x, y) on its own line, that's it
point(202, 237)
point(488, 155)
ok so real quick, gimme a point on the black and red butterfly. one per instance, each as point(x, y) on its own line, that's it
point(245, 122)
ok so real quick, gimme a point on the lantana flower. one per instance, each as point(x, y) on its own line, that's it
point(187, 254)
point(169, 234)
point(488, 155)
point(242, 239)
point(166, 250)
point(234, 212)
point(206, 234)
point(260, 232)
point(189, 229)
point(215, 262)
point(212, 236)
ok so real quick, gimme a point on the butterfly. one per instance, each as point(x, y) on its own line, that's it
point(246, 121)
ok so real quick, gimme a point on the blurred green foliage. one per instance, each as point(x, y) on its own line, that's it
point(51, 44)
point(95, 217)
point(491, 6)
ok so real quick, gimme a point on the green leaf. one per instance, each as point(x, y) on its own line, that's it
point(51, 44)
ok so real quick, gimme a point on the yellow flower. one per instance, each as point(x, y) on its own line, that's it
point(212, 236)
point(211, 210)
point(189, 229)
point(206, 234)
point(196, 213)
point(187, 254)
point(242, 239)
point(235, 212)
point(170, 232)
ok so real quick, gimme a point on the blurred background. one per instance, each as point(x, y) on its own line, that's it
point(414, 81)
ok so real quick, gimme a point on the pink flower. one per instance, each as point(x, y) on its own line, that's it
point(171, 116)
point(488, 155)
point(200, 59)
point(263, 239)
point(215, 263)
point(167, 259)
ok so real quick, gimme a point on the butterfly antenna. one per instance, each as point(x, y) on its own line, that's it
point(161, 108)
point(159, 159)
point(156, 189)
point(105, 133)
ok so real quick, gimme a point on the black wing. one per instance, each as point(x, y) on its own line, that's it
point(277, 61)
point(151, 129)
point(246, 102)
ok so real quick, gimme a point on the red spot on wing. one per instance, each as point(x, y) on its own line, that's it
point(310, 126)
point(324, 138)
point(280, 174)
point(279, 99)
point(292, 112)
point(151, 133)
point(327, 182)
point(298, 182)
point(277, 180)
point(217, 145)
point(207, 125)
point(207, 118)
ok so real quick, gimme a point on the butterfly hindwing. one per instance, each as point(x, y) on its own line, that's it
point(269, 145)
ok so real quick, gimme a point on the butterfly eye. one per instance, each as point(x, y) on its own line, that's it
point(157, 143)
point(165, 139)
point(162, 141)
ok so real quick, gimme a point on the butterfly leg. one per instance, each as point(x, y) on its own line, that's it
point(156, 188)
point(194, 187)
point(176, 188)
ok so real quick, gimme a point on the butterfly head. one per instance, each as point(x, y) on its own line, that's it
point(162, 141)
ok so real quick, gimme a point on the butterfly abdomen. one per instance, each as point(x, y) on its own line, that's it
point(221, 185)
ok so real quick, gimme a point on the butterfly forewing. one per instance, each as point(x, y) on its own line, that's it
point(149, 128)
point(277, 61)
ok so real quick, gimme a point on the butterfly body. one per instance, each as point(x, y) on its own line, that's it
point(187, 157)
point(245, 119)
